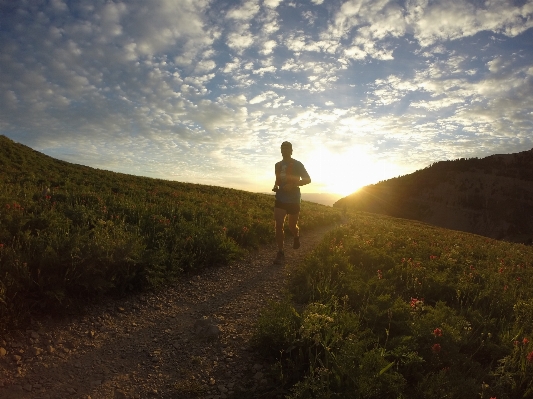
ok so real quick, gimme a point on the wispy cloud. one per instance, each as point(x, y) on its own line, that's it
point(205, 91)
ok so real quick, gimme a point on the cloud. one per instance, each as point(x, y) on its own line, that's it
point(152, 86)
point(455, 19)
point(244, 13)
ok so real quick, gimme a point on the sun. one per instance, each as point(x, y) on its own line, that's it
point(345, 172)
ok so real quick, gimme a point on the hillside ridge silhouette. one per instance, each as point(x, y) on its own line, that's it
point(491, 196)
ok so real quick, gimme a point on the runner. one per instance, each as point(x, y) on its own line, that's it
point(290, 175)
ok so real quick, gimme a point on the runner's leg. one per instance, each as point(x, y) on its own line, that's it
point(279, 218)
point(293, 224)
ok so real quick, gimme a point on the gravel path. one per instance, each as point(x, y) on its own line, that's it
point(190, 341)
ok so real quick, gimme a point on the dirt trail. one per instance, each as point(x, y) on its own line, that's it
point(190, 341)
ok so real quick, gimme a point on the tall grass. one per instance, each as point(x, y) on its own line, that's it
point(392, 308)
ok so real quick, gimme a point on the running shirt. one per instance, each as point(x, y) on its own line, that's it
point(289, 172)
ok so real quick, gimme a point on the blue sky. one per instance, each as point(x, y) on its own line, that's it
point(205, 91)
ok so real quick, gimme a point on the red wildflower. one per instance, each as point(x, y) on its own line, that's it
point(380, 275)
point(525, 341)
point(437, 332)
point(529, 357)
point(436, 348)
point(415, 303)
point(7, 206)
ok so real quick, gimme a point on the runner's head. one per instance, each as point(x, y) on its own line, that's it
point(286, 149)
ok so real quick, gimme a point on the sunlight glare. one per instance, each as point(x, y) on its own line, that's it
point(346, 172)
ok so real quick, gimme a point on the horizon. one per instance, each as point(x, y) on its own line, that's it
point(205, 91)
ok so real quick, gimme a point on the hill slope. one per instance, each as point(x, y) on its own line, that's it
point(492, 196)
point(69, 233)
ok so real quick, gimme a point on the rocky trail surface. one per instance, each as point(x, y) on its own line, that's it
point(191, 340)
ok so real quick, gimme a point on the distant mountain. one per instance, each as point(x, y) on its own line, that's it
point(321, 198)
point(492, 196)
point(318, 198)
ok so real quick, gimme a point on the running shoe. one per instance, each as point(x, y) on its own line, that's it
point(296, 243)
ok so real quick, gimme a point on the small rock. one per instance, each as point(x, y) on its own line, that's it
point(27, 387)
point(119, 394)
point(222, 389)
point(121, 309)
point(91, 334)
point(34, 335)
point(36, 351)
point(71, 391)
point(16, 358)
point(50, 349)
point(3, 352)
point(69, 345)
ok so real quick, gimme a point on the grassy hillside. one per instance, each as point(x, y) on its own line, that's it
point(69, 233)
point(492, 196)
point(393, 308)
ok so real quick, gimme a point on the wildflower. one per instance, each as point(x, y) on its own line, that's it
point(525, 341)
point(437, 332)
point(245, 229)
point(516, 343)
point(529, 357)
point(436, 348)
point(1, 246)
point(7, 206)
point(380, 275)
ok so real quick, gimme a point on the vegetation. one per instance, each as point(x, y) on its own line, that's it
point(69, 233)
point(391, 308)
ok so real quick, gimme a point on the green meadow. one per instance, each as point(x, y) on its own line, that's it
point(70, 234)
point(391, 308)
point(382, 308)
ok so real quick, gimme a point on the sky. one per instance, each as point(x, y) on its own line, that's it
point(205, 91)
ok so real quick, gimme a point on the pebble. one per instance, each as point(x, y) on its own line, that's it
point(2, 352)
point(36, 351)
point(27, 387)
